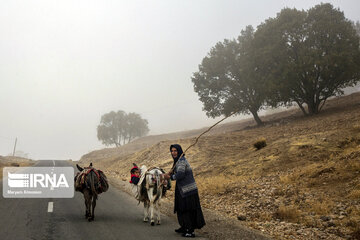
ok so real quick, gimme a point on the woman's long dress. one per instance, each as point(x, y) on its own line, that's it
point(188, 211)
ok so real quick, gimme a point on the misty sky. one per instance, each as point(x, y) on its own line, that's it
point(65, 63)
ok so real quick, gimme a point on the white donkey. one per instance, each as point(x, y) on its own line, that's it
point(151, 191)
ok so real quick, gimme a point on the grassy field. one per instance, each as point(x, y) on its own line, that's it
point(304, 184)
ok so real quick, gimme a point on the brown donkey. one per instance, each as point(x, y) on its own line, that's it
point(90, 182)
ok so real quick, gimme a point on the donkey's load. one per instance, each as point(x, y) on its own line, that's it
point(81, 183)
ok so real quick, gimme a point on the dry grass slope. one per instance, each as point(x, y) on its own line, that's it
point(304, 184)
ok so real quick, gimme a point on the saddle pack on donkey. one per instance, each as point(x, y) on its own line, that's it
point(81, 183)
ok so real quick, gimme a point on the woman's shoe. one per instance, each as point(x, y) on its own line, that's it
point(188, 234)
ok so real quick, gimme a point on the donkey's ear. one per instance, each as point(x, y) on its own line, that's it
point(80, 168)
point(90, 164)
point(134, 164)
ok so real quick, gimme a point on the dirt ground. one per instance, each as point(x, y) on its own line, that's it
point(304, 184)
point(218, 226)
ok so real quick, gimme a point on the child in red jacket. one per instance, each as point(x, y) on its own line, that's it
point(134, 181)
point(135, 175)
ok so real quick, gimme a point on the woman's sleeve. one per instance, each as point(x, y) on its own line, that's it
point(180, 171)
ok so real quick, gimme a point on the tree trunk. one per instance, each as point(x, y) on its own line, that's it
point(313, 108)
point(256, 117)
point(322, 104)
point(302, 108)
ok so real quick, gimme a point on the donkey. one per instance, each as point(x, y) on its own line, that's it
point(152, 189)
point(90, 182)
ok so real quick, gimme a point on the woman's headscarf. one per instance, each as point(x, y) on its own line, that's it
point(179, 150)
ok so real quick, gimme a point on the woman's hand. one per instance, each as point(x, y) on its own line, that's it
point(167, 176)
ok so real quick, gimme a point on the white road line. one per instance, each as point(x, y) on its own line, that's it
point(50, 206)
point(53, 162)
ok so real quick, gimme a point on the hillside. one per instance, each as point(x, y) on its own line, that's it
point(148, 141)
point(305, 184)
point(9, 161)
point(151, 140)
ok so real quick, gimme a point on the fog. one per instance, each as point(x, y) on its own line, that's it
point(64, 63)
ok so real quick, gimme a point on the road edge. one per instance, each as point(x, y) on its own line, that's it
point(230, 229)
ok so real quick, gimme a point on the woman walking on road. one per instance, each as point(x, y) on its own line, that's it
point(187, 203)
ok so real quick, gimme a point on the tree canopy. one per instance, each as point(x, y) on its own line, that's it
point(357, 27)
point(226, 81)
point(116, 128)
point(308, 56)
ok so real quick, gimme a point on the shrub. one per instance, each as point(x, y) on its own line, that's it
point(259, 144)
point(288, 213)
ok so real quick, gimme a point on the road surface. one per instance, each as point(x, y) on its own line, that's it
point(117, 216)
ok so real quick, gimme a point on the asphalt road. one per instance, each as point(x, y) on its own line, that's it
point(117, 216)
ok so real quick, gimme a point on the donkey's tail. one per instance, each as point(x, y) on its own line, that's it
point(93, 178)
